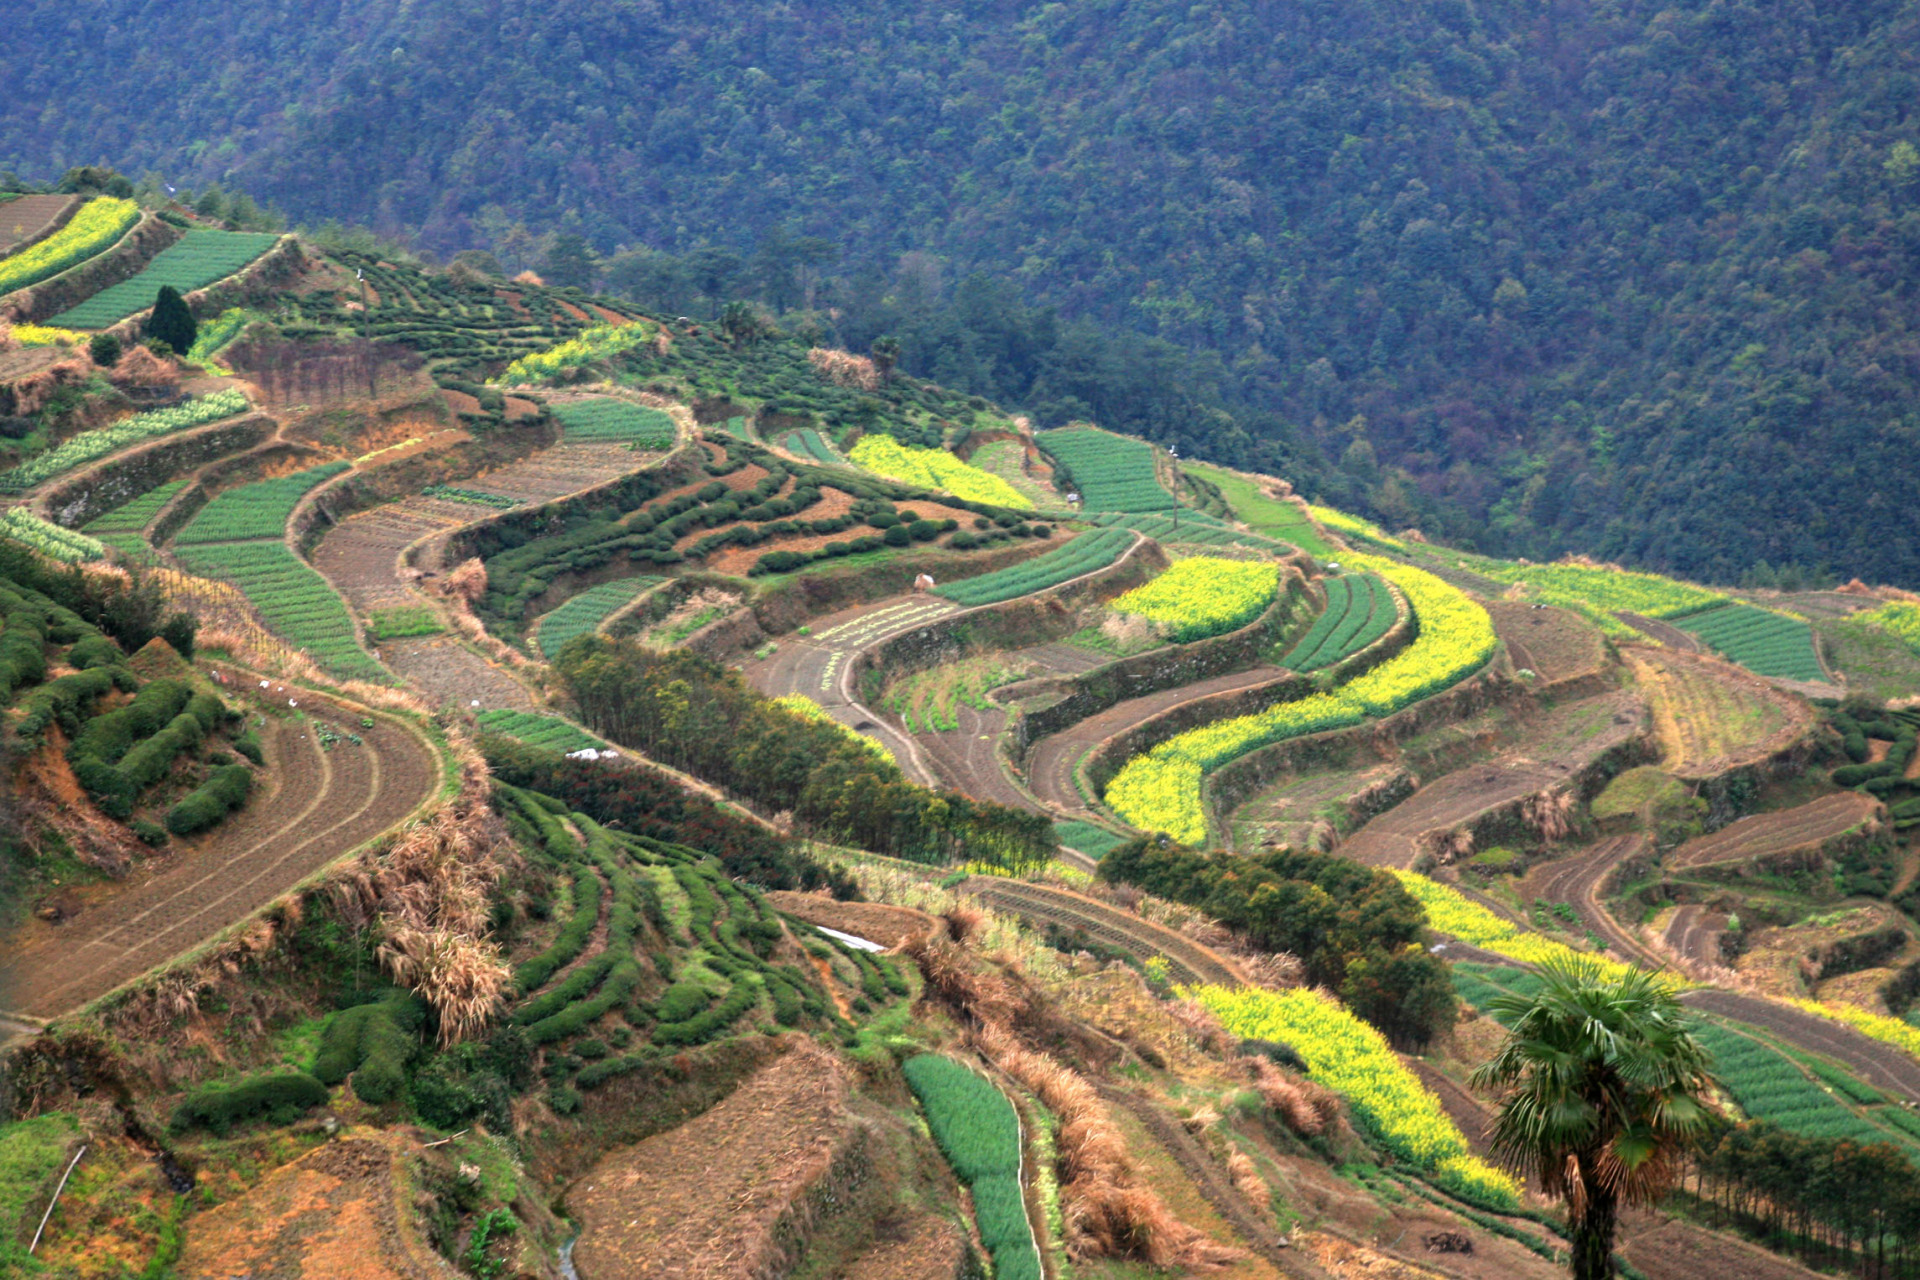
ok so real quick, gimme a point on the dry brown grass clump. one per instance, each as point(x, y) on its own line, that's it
point(32, 393)
point(428, 891)
point(1248, 1182)
point(844, 369)
point(139, 367)
point(1307, 1108)
point(468, 581)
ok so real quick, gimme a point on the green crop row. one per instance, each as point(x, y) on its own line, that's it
point(1084, 554)
point(292, 599)
point(1111, 473)
point(976, 1129)
point(122, 527)
point(1764, 642)
point(586, 611)
point(258, 510)
point(539, 730)
point(197, 260)
point(618, 420)
point(1360, 610)
point(22, 526)
point(473, 497)
point(89, 445)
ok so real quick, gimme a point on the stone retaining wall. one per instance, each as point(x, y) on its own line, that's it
point(127, 259)
point(76, 501)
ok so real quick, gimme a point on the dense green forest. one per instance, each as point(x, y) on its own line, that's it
point(1630, 279)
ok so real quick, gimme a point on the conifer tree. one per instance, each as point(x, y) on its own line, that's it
point(171, 322)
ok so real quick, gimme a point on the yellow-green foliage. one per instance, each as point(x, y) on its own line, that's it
point(598, 343)
point(1893, 1031)
point(41, 335)
point(1344, 1053)
point(934, 469)
point(1354, 526)
point(1596, 592)
point(801, 705)
point(92, 230)
point(1203, 596)
point(1160, 791)
point(1896, 616)
point(1456, 916)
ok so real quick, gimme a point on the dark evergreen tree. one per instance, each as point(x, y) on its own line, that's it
point(171, 322)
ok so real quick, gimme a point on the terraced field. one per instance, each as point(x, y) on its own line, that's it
point(1556, 644)
point(316, 806)
point(198, 259)
point(29, 218)
point(1188, 961)
point(1564, 740)
point(586, 611)
point(1710, 718)
point(1773, 835)
point(1361, 608)
point(1767, 643)
point(1114, 473)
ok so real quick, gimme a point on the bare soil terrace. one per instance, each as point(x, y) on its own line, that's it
point(314, 806)
point(1711, 717)
point(1767, 835)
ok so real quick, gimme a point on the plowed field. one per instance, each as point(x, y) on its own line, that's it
point(26, 218)
point(1694, 932)
point(1560, 743)
point(701, 1202)
point(1786, 831)
point(1711, 718)
point(1189, 961)
point(314, 806)
point(1555, 644)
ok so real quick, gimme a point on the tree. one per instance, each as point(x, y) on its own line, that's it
point(1605, 1084)
point(886, 354)
point(570, 263)
point(171, 322)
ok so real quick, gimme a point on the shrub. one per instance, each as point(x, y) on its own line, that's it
point(211, 801)
point(897, 536)
point(282, 1097)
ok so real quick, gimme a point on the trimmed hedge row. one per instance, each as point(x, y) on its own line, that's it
point(703, 1027)
point(282, 1096)
point(67, 700)
point(212, 800)
point(373, 1043)
point(533, 975)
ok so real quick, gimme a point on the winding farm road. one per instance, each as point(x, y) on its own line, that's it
point(317, 805)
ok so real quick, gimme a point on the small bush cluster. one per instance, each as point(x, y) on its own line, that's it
point(282, 1097)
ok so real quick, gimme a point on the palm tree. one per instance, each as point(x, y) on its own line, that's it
point(1604, 1096)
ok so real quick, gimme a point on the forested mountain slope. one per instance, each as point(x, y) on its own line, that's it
point(1630, 279)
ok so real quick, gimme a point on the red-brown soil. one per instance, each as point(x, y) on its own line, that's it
point(310, 807)
point(1579, 880)
point(28, 218)
point(923, 1247)
point(460, 401)
point(1557, 745)
point(337, 1213)
point(1694, 933)
point(1681, 1251)
point(1765, 835)
point(1555, 644)
point(518, 408)
point(702, 1201)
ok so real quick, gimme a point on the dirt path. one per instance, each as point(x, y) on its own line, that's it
point(967, 758)
point(315, 806)
point(821, 667)
point(1562, 742)
point(1189, 961)
point(1694, 932)
point(1579, 881)
point(1052, 760)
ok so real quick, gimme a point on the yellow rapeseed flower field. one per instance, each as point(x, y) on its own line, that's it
point(934, 469)
point(1203, 596)
point(1344, 1053)
point(1160, 790)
